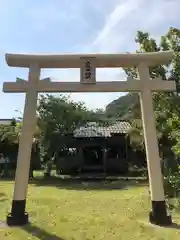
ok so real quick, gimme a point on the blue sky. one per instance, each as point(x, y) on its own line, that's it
point(79, 26)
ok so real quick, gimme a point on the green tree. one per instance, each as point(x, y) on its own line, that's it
point(166, 105)
point(9, 141)
point(59, 116)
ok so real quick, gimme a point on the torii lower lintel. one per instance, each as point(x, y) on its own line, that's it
point(114, 86)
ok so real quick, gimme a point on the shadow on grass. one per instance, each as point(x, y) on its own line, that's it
point(87, 184)
point(3, 197)
point(173, 226)
point(2, 194)
point(40, 233)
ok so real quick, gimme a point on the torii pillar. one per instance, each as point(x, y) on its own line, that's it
point(18, 216)
point(88, 63)
point(158, 215)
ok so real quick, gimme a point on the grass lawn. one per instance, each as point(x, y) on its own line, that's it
point(84, 211)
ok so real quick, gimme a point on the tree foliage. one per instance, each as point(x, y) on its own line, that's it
point(166, 105)
point(59, 116)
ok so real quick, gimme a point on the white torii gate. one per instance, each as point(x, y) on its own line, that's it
point(88, 64)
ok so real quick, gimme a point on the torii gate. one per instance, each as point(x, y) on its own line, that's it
point(88, 64)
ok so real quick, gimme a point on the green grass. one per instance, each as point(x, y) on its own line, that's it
point(84, 211)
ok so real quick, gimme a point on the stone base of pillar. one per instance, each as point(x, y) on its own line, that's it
point(18, 216)
point(159, 214)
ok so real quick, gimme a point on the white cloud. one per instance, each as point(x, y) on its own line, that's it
point(122, 10)
point(119, 29)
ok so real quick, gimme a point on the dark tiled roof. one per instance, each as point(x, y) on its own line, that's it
point(97, 131)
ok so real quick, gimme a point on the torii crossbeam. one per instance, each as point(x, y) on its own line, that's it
point(88, 64)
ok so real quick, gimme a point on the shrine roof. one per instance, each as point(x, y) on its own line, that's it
point(93, 130)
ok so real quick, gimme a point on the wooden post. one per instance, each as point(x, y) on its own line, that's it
point(104, 160)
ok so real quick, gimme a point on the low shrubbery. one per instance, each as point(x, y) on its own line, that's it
point(172, 188)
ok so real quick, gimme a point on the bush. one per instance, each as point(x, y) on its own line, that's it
point(135, 171)
point(172, 182)
point(172, 188)
point(68, 165)
point(168, 188)
point(116, 165)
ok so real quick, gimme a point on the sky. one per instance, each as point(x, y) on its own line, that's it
point(78, 26)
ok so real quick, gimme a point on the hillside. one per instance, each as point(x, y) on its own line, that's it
point(125, 107)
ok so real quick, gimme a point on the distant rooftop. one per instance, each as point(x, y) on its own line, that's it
point(5, 121)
